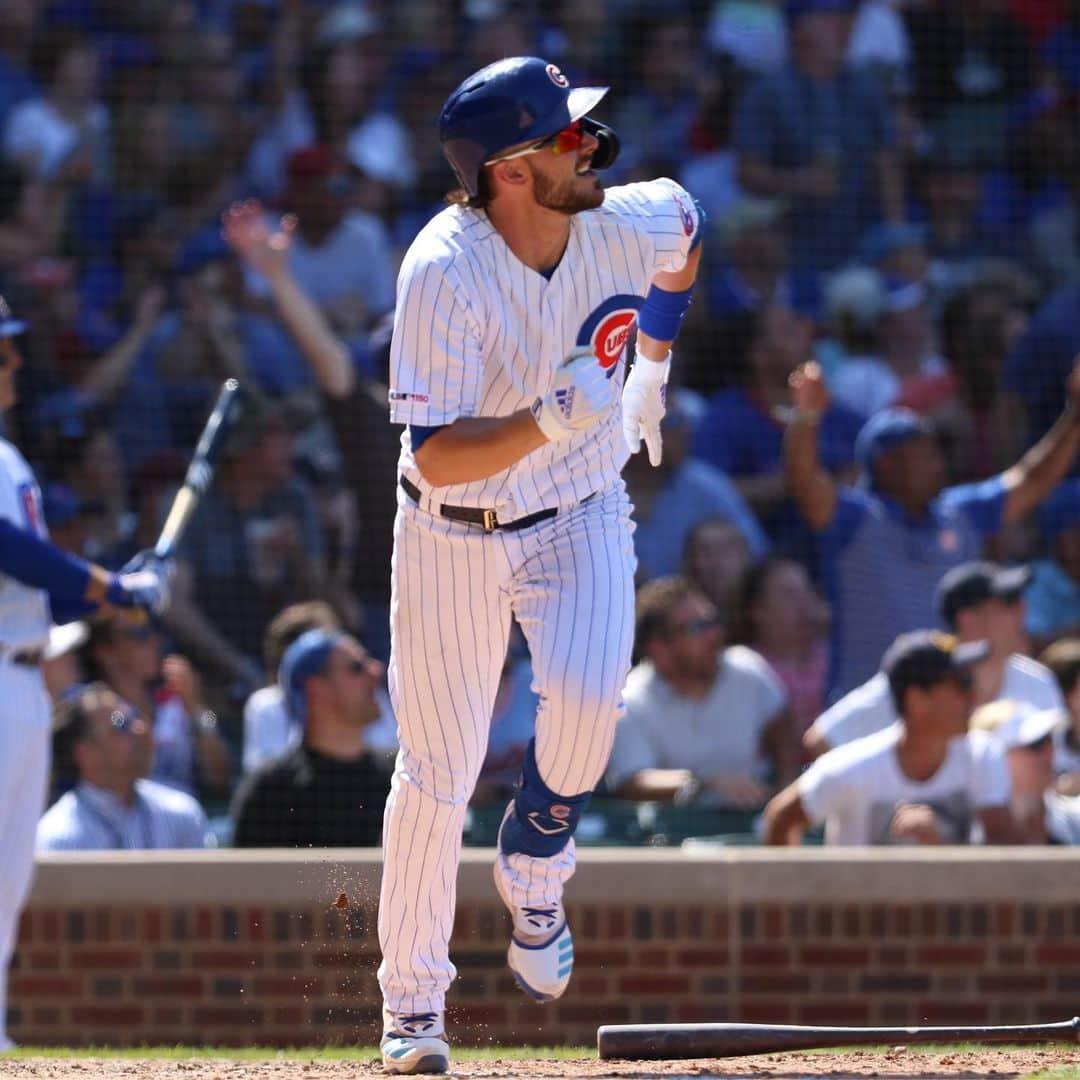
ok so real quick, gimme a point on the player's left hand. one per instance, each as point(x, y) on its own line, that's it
point(143, 582)
point(644, 402)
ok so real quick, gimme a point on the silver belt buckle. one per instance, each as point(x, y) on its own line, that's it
point(491, 521)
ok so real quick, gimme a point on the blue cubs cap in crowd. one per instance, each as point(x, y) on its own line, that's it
point(796, 9)
point(884, 431)
point(881, 241)
point(9, 325)
point(972, 583)
point(1062, 510)
point(925, 658)
point(306, 656)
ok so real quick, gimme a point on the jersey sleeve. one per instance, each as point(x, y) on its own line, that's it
point(436, 361)
point(666, 214)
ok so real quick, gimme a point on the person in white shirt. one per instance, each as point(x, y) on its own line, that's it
point(1042, 815)
point(978, 601)
point(1063, 659)
point(702, 721)
point(924, 780)
point(106, 746)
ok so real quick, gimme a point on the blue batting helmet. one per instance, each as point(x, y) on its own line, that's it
point(515, 101)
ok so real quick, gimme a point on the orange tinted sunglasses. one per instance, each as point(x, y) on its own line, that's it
point(562, 142)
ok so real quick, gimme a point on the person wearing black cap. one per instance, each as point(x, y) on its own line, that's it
point(977, 601)
point(329, 791)
point(924, 780)
point(887, 543)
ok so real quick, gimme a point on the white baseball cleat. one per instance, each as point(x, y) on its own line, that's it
point(414, 1043)
point(541, 953)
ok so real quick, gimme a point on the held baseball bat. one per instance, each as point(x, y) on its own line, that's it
point(658, 1042)
point(200, 471)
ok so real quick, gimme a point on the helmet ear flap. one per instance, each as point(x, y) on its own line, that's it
point(609, 147)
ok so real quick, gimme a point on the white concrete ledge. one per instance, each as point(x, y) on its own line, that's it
point(605, 876)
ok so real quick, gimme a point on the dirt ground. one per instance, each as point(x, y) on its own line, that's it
point(897, 1063)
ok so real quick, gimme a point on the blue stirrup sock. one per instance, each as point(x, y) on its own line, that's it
point(542, 821)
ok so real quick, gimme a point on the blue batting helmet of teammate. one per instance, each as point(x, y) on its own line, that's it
point(515, 101)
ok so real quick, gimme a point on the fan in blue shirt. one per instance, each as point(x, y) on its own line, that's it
point(886, 543)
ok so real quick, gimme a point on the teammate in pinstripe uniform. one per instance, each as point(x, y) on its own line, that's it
point(37, 582)
point(513, 312)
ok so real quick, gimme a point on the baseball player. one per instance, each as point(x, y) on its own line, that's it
point(513, 312)
point(38, 582)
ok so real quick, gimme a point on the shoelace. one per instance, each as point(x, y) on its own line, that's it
point(416, 1024)
point(543, 918)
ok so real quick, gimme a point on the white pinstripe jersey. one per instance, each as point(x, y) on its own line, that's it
point(478, 333)
point(24, 611)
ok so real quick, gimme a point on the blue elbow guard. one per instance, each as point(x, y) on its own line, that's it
point(40, 564)
point(662, 313)
point(541, 822)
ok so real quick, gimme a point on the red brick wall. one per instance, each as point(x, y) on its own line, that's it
point(217, 973)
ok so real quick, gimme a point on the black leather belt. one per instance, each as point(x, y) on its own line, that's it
point(24, 657)
point(487, 519)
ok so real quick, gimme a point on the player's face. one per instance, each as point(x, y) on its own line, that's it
point(565, 182)
point(10, 362)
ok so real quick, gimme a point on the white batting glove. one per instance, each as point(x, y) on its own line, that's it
point(579, 396)
point(644, 402)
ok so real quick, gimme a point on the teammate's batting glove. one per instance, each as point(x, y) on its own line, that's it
point(144, 582)
point(579, 396)
point(644, 402)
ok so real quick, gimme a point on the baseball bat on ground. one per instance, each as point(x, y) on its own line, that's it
point(200, 471)
point(658, 1042)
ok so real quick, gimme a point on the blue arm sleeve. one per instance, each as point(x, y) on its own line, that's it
point(28, 558)
point(982, 503)
point(420, 435)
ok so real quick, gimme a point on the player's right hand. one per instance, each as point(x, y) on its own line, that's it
point(579, 396)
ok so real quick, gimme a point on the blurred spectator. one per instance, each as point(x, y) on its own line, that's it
point(269, 731)
point(715, 557)
point(330, 97)
point(821, 136)
point(973, 59)
point(751, 33)
point(742, 434)
point(254, 546)
point(357, 408)
point(329, 791)
point(189, 753)
point(660, 52)
point(952, 195)
point(895, 536)
point(888, 338)
point(513, 725)
point(670, 500)
point(64, 131)
point(1039, 364)
point(1063, 659)
point(103, 747)
point(33, 214)
point(340, 257)
point(1041, 815)
point(896, 250)
point(977, 601)
point(704, 722)
point(981, 428)
point(17, 79)
point(778, 613)
point(1053, 600)
point(920, 781)
point(68, 517)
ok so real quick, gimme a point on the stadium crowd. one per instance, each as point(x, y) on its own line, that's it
point(866, 526)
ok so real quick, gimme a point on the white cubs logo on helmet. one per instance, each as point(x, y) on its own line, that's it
point(557, 77)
